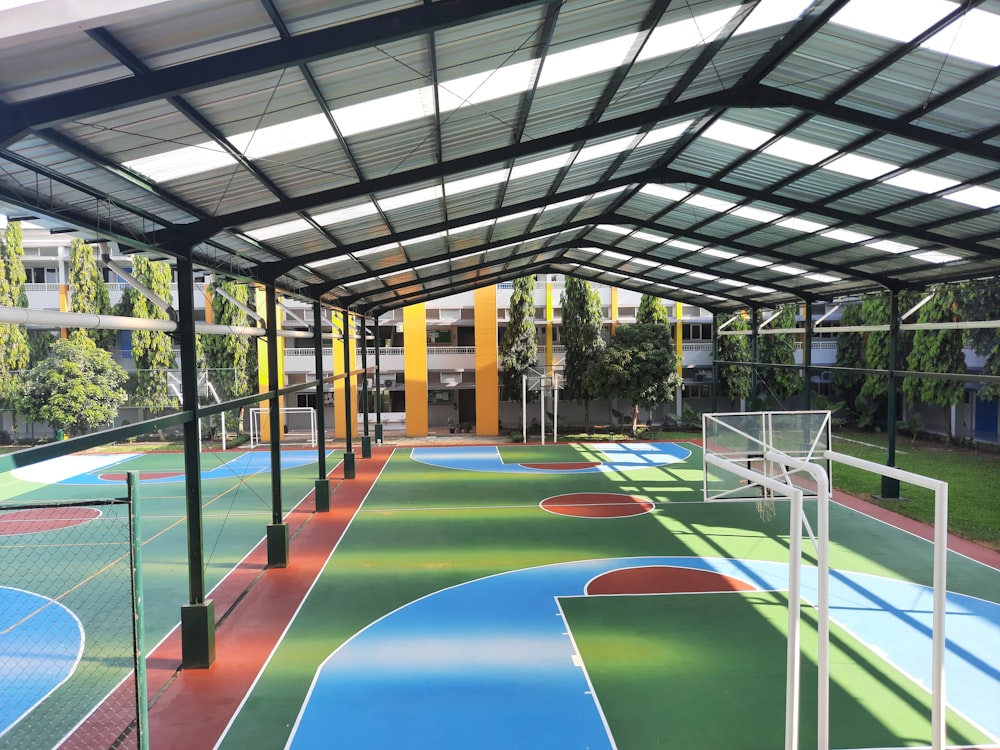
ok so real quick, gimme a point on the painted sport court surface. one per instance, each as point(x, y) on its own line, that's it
point(581, 596)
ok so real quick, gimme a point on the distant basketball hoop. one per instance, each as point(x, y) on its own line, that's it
point(541, 383)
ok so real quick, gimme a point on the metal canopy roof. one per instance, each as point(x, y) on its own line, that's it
point(376, 154)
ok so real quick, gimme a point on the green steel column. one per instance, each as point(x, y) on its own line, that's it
point(349, 472)
point(138, 610)
point(198, 616)
point(807, 355)
point(890, 486)
point(277, 532)
point(322, 490)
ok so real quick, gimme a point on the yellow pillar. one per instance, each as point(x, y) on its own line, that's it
point(613, 309)
point(415, 369)
point(209, 312)
point(549, 316)
point(63, 306)
point(341, 367)
point(487, 372)
point(263, 376)
point(679, 337)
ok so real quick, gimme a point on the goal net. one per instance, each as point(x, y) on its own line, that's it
point(297, 425)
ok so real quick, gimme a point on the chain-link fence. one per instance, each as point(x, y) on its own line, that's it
point(70, 627)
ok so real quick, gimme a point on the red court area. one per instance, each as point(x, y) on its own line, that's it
point(37, 520)
point(658, 579)
point(596, 505)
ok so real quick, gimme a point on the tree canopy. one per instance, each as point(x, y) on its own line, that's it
point(980, 300)
point(735, 380)
point(519, 344)
point(227, 358)
point(152, 351)
point(936, 350)
point(14, 351)
point(850, 353)
point(652, 310)
point(779, 349)
point(582, 325)
point(88, 292)
point(639, 365)
point(77, 389)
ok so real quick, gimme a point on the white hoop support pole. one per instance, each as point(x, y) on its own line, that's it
point(524, 407)
point(793, 657)
point(823, 588)
point(541, 408)
point(555, 409)
point(940, 489)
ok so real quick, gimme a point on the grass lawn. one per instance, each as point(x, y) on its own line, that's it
point(973, 479)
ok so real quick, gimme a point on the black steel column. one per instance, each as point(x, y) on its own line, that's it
point(198, 616)
point(754, 351)
point(366, 441)
point(277, 532)
point(807, 356)
point(378, 385)
point(890, 486)
point(715, 363)
point(322, 483)
point(348, 413)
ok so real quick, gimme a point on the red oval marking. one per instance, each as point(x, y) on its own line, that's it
point(597, 505)
point(37, 520)
point(660, 579)
point(121, 475)
point(568, 466)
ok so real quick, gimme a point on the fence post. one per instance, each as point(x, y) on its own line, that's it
point(139, 625)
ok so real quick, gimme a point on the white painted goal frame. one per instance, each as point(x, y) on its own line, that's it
point(256, 436)
point(777, 478)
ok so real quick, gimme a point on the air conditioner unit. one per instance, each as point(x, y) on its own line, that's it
point(388, 383)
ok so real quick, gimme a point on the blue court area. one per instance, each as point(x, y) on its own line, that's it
point(430, 662)
point(41, 643)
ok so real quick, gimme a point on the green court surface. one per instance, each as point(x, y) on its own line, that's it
point(679, 670)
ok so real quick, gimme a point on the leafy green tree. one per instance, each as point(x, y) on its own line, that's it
point(227, 357)
point(77, 389)
point(980, 300)
point(518, 349)
point(151, 350)
point(850, 353)
point(14, 350)
point(779, 349)
point(652, 310)
point(639, 365)
point(735, 380)
point(88, 292)
point(937, 350)
point(875, 311)
point(582, 324)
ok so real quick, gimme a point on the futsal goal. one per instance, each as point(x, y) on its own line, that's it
point(787, 456)
point(297, 425)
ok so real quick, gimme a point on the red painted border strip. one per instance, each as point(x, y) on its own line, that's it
point(974, 551)
point(245, 634)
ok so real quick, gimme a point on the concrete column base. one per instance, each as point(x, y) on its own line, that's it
point(322, 495)
point(277, 545)
point(366, 446)
point(349, 471)
point(198, 635)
